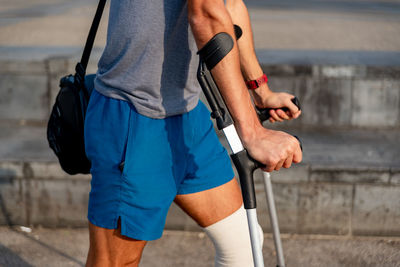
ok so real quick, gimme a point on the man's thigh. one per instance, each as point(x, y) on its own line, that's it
point(212, 205)
point(109, 248)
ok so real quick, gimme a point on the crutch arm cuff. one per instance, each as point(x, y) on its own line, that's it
point(216, 49)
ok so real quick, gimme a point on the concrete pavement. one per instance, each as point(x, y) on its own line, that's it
point(68, 247)
point(326, 25)
point(359, 32)
point(346, 25)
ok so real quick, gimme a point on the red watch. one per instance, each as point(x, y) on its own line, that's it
point(254, 84)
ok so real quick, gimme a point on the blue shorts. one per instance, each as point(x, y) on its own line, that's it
point(176, 155)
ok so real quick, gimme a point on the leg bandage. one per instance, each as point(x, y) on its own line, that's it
point(231, 240)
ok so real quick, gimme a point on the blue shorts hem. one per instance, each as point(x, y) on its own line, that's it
point(206, 186)
point(124, 225)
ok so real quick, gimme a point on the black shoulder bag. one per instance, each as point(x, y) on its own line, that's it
point(65, 127)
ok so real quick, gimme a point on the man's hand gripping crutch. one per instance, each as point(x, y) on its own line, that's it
point(220, 64)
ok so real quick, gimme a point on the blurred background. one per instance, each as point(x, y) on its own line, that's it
point(339, 207)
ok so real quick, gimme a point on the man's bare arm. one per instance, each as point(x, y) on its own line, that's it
point(251, 69)
point(207, 18)
point(272, 148)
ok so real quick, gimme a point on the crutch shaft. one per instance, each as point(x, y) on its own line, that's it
point(273, 219)
point(214, 51)
point(255, 238)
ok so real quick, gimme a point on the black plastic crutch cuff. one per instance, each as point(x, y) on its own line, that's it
point(216, 49)
point(238, 31)
point(246, 166)
point(210, 55)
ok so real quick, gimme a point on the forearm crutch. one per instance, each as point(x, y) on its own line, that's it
point(210, 55)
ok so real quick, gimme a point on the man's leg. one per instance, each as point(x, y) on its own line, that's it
point(219, 211)
point(210, 206)
point(109, 248)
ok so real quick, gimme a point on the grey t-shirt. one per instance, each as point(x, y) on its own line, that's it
point(150, 57)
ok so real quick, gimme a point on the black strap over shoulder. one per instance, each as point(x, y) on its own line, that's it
point(82, 65)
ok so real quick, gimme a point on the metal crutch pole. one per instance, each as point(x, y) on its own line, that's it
point(273, 219)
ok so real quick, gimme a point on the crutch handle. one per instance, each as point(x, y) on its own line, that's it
point(246, 165)
point(263, 113)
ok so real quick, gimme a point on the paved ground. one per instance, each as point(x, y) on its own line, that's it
point(362, 32)
point(347, 25)
point(68, 247)
point(326, 24)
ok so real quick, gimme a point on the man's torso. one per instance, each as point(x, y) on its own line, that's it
point(150, 58)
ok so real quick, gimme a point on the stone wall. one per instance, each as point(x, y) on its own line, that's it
point(331, 96)
point(309, 199)
point(341, 96)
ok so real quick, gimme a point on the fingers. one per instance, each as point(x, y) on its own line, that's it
point(291, 106)
point(298, 154)
point(274, 115)
point(288, 162)
point(275, 149)
point(268, 169)
point(282, 114)
point(279, 165)
point(294, 155)
point(285, 162)
point(296, 115)
point(273, 166)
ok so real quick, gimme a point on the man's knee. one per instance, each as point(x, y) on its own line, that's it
point(109, 248)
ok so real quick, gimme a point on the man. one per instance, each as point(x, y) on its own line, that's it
point(145, 112)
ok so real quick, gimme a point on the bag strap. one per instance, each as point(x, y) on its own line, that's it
point(82, 65)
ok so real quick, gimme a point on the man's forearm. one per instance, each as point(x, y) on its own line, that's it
point(207, 18)
point(249, 64)
point(248, 60)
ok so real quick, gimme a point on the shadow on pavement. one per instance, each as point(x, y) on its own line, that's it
point(50, 248)
point(10, 258)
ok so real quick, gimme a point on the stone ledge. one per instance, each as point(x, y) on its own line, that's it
point(332, 95)
point(353, 174)
point(395, 176)
point(38, 193)
point(298, 173)
point(325, 152)
point(333, 71)
point(36, 170)
point(376, 210)
point(377, 59)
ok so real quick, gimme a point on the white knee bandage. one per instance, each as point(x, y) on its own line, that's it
point(231, 240)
